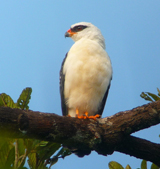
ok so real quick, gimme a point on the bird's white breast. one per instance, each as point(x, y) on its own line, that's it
point(88, 73)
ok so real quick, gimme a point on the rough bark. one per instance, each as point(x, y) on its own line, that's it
point(140, 148)
point(104, 135)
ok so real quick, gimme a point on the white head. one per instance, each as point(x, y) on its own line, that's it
point(85, 30)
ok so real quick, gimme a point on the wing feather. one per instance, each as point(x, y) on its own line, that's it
point(62, 82)
point(101, 107)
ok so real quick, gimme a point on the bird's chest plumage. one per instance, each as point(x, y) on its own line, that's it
point(87, 72)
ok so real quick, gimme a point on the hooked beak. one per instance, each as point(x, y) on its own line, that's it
point(69, 33)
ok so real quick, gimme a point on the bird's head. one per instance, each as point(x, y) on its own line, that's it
point(85, 30)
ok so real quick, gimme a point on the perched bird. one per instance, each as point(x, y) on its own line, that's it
point(85, 74)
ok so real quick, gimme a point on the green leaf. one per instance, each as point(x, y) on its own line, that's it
point(63, 152)
point(32, 160)
point(24, 98)
point(47, 151)
point(143, 164)
point(31, 144)
point(150, 96)
point(6, 100)
point(158, 92)
point(21, 146)
point(10, 158)
point(6, 152)
point(115, 165)
point(53, 161)
point(21, 152)
point(155, 97)
point(146, 97)
point(128, 167)
point(153, 166)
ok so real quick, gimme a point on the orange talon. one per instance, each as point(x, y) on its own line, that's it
point(94, 117)
point(86, 113)
point(85, 116)
point(78, 116)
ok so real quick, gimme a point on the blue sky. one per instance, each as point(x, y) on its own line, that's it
point(32, 47)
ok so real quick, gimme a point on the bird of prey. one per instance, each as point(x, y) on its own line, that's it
point(85, 74)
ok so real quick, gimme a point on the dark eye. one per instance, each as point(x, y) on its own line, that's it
point(78, 28)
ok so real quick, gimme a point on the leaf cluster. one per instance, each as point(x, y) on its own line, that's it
point(150, 96)
point(115, 165)
point(22, 102)
point(17, 153)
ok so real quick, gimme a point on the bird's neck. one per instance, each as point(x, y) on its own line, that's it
point(99, 40)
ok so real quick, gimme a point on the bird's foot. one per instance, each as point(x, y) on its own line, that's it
point(91, 117)
point(78, 116)
point(85, 116)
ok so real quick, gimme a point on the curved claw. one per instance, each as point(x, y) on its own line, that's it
point(85, 116)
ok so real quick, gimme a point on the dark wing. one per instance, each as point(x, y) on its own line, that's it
point(101, 107)
point(62, 81)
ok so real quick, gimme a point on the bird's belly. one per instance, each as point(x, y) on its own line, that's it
point(86, 85)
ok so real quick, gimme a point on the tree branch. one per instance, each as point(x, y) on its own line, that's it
point(139, 148)
point(104, 135)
